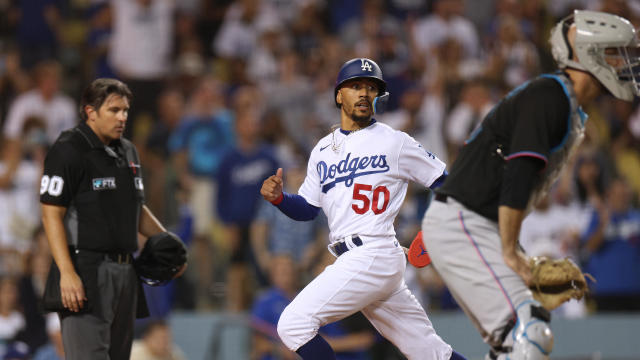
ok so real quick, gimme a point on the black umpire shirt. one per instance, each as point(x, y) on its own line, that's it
point(101, 187)
point(530, 120)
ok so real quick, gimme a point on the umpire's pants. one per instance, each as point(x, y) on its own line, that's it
point(107, 332)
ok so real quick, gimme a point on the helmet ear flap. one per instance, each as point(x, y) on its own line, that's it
point(560, 46)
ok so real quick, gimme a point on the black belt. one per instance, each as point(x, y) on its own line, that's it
point(341, 247)
point(441, 197)
point(117, 257)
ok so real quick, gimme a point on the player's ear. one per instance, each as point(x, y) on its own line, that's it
point(339, 97)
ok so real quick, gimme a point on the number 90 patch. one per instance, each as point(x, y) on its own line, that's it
point(52, 185)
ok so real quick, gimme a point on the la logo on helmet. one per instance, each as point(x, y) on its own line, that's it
point(365, 65)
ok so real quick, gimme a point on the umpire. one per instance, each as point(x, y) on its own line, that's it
point(92, 211)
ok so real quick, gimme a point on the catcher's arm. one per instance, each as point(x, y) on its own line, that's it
point(509, 221)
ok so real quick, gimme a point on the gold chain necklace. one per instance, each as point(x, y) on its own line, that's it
point(334, 145)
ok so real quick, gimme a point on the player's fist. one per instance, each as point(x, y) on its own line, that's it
point(272, 187)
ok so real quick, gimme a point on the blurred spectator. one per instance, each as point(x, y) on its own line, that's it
point(31, 288)
point(238, 35)
point(16, 350)
point(12, 321)
point(611, 250)
point(54, 349)
point(37, 32)
point(590, 179)
point(13, 79)
point(44, 101)
point(308, 27)
point(98, 39)
point(553, 229)
point(360, 32)
point(274, 233)
point(262, 63)
point(140, 52)
point(156, 344)
point(447, 71)
point(197, 145)
point(350, 343)
point(513, 59)
point(290, 95)
point(391, 52)
point(240, 177)
point(625, 146)
point(446, 21)
point(156, 155)
point(268, 307)
point(20, 215)
point(475, 103)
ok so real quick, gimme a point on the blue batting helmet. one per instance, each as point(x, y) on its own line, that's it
point(362, 68)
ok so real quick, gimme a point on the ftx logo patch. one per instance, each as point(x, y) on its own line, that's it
point(104, 183)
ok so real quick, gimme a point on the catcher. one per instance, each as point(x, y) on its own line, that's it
point(508, 163)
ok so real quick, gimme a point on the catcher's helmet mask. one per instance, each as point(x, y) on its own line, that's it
point(363, 68)
point(605, 45)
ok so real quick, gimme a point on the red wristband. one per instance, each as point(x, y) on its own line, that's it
point(278, 200)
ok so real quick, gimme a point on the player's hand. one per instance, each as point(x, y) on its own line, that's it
point(72, 291)
point(181, 271)
point(519, 263)
point(272, 187)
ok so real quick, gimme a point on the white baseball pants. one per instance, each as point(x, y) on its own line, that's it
point(367, 278)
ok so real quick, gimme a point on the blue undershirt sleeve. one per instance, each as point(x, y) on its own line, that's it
point(439, 181)
point(297, 208)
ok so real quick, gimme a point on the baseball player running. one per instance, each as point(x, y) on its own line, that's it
point(358, 175)
point(508, 163)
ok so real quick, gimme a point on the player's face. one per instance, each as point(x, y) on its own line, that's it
point(357, 99)
point(109, 120)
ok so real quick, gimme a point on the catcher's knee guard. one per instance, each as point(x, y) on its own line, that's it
point(531, 337)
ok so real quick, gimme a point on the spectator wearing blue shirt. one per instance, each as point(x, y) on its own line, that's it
point(196, 146)
point(268, 307)
point(240, 177)
point(611, 245)
point(272, 232)
point(349, 345)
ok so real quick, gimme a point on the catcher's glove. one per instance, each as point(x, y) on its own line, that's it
point(556, 281)
point(161, 259)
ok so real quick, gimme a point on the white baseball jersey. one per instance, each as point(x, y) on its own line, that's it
point(360, 179)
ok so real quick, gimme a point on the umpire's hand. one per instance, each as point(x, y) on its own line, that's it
point(71, 291)
point(272, 187)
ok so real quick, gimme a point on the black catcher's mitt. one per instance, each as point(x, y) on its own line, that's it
point(161, 259)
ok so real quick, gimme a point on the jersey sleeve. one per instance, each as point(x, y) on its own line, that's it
point(417, 164)
point(61, 176)
point(541, 122)
point(310, 188)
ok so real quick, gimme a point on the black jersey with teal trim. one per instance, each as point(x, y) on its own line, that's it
point(533, 120)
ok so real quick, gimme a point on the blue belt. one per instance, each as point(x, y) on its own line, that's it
point(341, 247)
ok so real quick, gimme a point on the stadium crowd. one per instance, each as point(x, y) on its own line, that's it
point(225, 92)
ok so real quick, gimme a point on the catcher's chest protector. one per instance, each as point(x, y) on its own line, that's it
point(561, 153)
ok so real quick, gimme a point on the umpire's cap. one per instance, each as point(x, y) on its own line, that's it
point(360, 68)
point(162, 257)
